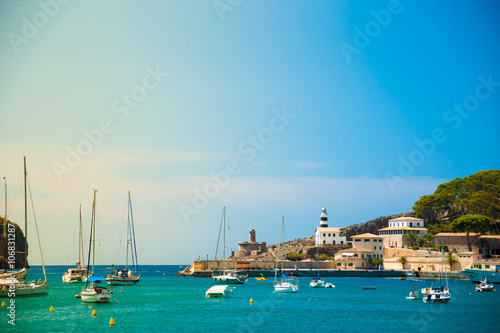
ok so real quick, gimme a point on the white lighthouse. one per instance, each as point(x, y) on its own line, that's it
point(324, 235)
point(323, 218)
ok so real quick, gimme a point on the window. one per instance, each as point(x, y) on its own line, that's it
point(324, 242)
point(355, 254)
point(329, 235)
point(357, 240)
point(333, 235)
point(411, 224)
point(324, 235)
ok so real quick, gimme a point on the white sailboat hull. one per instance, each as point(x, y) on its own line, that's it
point(96, 295)
point(285, 287)
point(317, 284)
point(126, 281)
point(24, 290)
point(435, 295)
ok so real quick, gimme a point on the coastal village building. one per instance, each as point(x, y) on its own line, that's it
point(458, 241)
point(250, 248)
point(323, 235)
point(365, 247)
point(395, 234)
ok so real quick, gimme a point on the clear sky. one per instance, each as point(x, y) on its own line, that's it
point(271, 108)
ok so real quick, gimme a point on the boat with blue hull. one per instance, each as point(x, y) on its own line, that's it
point(478, 275)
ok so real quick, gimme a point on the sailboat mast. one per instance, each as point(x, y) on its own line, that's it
point(282, 240)
point(81, 256)
point(5, 232)
point(224, 242)
point(25, 220)
point(135, 263)
point(128, 230)
point(93, 232)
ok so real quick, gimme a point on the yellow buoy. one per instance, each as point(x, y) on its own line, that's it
point(51, 308)
point(94, 313)
point(251, 300)
point(4, 305)
point(111, 322)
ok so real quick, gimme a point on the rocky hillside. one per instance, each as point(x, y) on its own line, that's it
point(19, 239)
point(373, 225)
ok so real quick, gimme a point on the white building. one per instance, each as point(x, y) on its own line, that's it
point(323, 235)
point(396, 234)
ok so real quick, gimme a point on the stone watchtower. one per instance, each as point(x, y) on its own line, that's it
point(251, 238)
point(250, 248)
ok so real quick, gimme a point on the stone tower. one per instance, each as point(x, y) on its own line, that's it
point(251, 238)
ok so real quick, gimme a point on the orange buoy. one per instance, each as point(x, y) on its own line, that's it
point(251, 300)
point(111, 322)
point(4, 305)
point(51, 309)
point(94, 313)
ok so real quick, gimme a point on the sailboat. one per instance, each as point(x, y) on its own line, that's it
point(316, 282)
point(414, 293)
point(440, 294)
point(92, 293)
point(283, 284)
point(129, 275)
point(78, 274)
point(227, 277)
point(484, 286)
point(15, 284)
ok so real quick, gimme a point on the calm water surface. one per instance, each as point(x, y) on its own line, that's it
point(163, 302)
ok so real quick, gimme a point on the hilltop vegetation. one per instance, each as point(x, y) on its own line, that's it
point(476, 194)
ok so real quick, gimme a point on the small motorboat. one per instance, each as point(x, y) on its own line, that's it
point(369, 287)
point(219, 291)
point(329, 285)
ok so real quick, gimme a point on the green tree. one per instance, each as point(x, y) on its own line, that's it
point(376, 262)
point(471, 224)
point(402, 260)
point(482, 243)
point(296, 256)
point(451, 259)
point(345, 264)
point(411, 236)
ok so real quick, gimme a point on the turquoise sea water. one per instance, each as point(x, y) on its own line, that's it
point(163, 302)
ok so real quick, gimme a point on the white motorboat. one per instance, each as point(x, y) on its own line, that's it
point(219, 291)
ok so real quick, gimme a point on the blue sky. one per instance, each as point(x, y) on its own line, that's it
point(157, 96)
